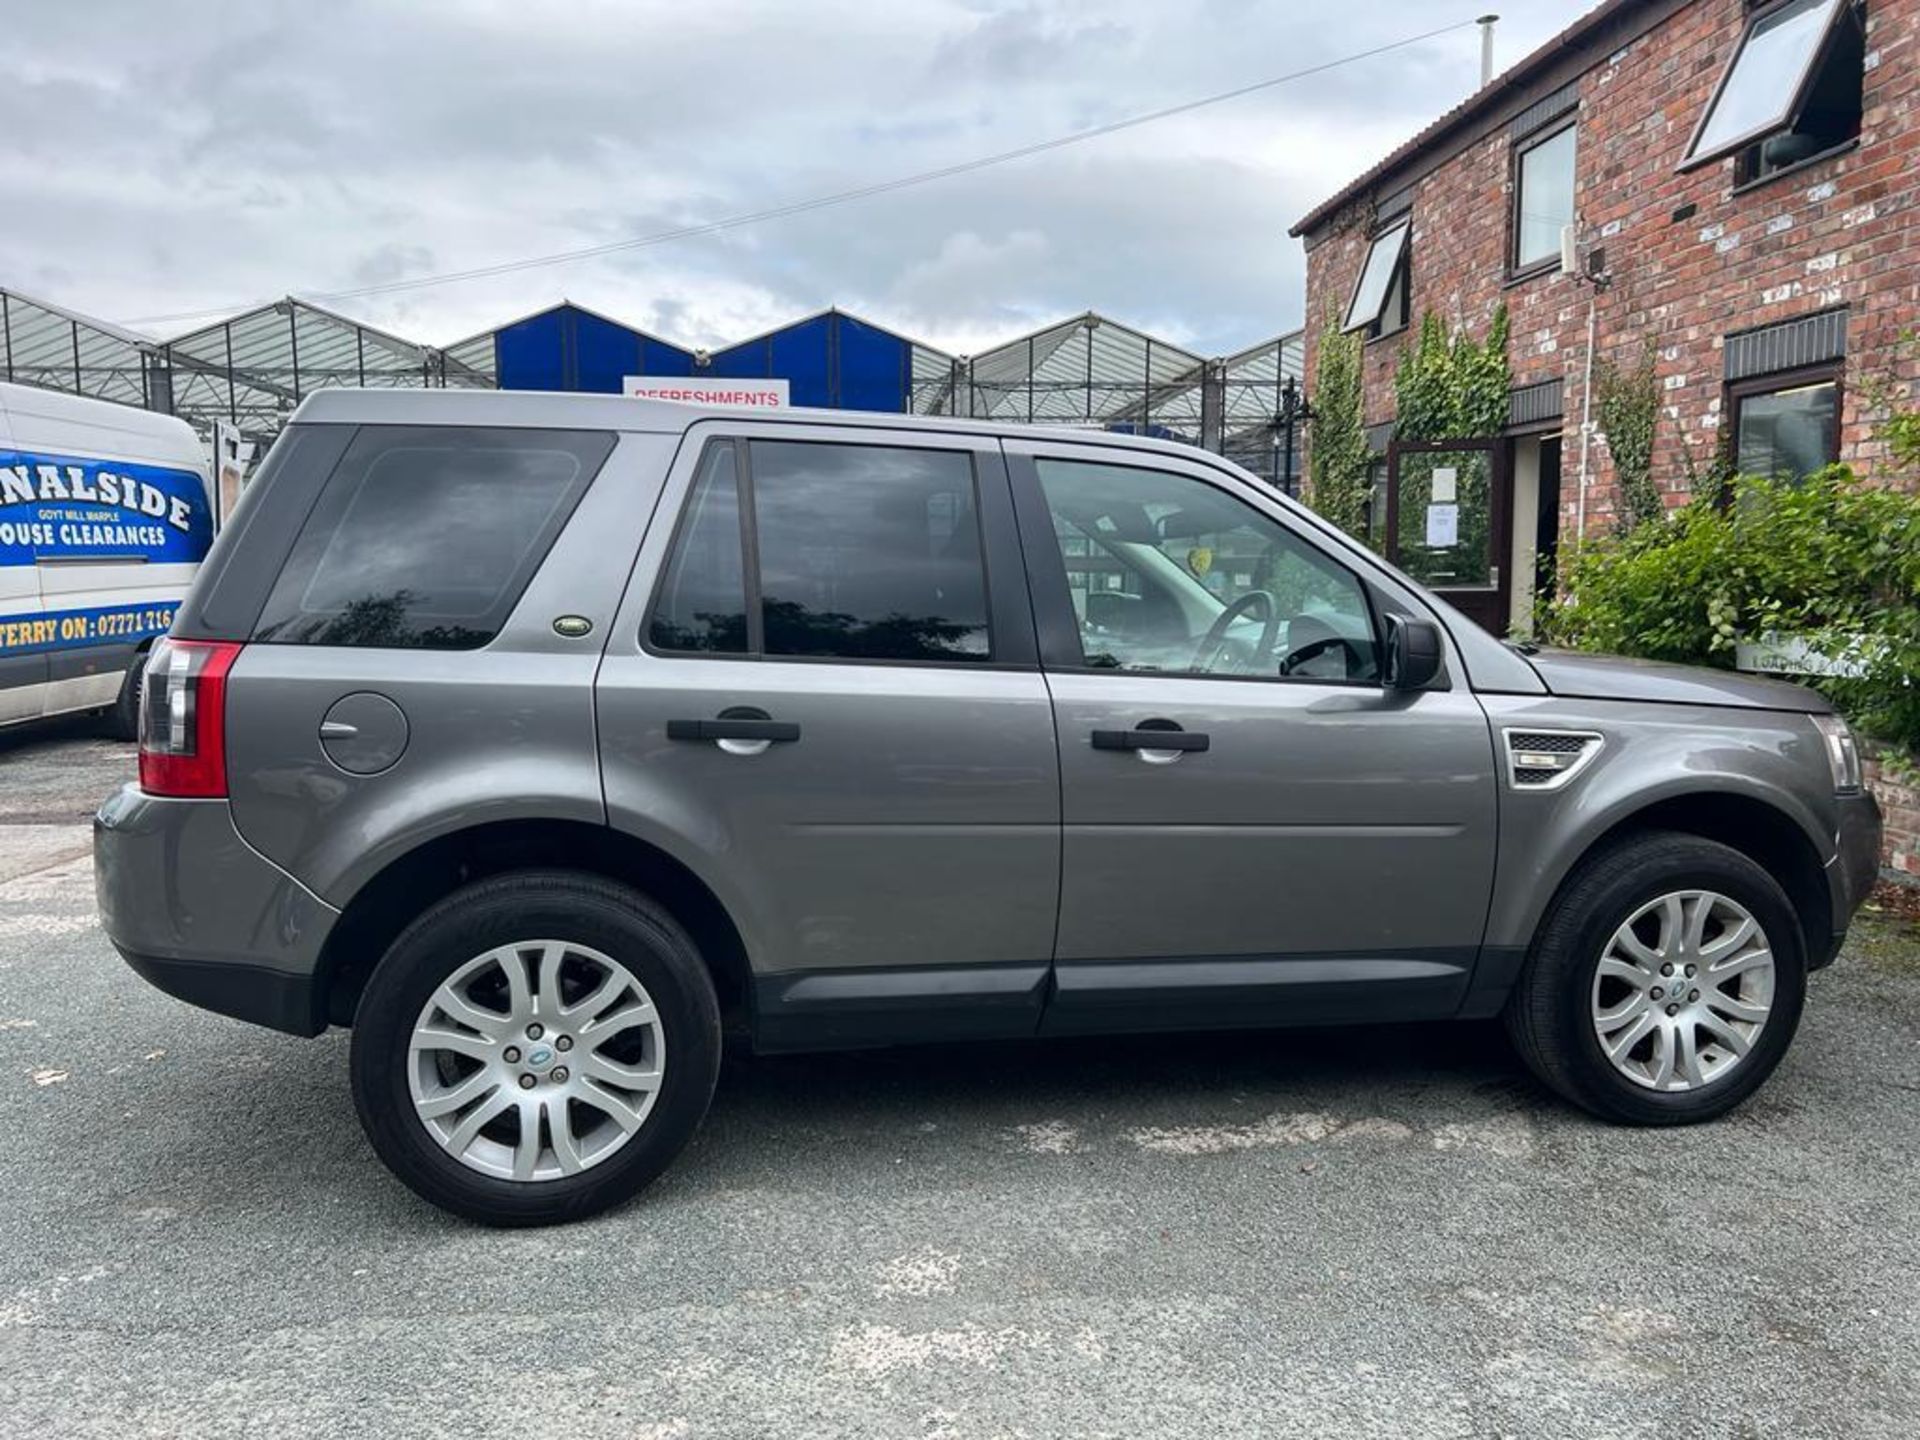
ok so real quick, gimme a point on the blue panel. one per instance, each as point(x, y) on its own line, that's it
point(531, 355)
point(604, 353)
point(659, 358)
point(802, 356)
point(743, 362)
point(873, 368)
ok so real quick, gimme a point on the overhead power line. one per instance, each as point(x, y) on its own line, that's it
point(821, 202)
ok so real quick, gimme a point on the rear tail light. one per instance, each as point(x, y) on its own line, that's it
point(183, 719)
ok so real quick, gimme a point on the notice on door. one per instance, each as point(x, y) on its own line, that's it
point(1446, 485)
point(1443, 526)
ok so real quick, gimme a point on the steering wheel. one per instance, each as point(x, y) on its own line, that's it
point(1352, 663)
point(1215, 639)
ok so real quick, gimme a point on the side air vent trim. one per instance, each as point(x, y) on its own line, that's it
point(1539, 759)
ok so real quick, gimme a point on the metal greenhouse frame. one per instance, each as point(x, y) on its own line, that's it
point(41, 344)
point(254, 368)
point(1089, 370)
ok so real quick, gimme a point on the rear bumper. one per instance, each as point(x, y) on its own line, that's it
point(1855, 866)
point(200, 914)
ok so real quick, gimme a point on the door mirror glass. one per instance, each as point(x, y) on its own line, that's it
point(1414, 653)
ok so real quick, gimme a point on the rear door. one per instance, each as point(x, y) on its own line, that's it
point(822, 691)
point(1255, 828)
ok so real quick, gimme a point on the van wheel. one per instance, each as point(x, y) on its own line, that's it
point(1665, 984)
point(123, 721)
point(535, 1048)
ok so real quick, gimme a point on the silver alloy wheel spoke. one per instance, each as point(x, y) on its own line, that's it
point(1682, 990)
point(536, 1060)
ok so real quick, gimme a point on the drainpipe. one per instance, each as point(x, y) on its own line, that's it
point(1586, 416)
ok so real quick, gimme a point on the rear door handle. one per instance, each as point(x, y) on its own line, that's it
point(772, 731)
point(1186, 740)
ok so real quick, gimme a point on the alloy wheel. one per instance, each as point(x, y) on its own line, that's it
point(1683, 990)
point(536, 1060)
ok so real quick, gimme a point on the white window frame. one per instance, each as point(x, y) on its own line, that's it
point(1403, 229)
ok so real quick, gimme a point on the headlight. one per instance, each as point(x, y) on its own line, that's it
point(1843, 755)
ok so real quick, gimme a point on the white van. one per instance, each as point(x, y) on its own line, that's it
point(105, 514)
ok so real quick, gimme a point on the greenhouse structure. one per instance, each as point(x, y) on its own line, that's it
point(1088, 371)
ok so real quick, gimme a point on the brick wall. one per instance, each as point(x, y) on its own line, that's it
point(1844, 230)
point(1900, 810)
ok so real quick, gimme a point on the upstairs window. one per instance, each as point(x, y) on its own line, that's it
point(1380, 301)
point(1791, 92)
point(1542, 199)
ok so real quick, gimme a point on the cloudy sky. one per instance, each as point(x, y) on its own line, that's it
point(170, 157)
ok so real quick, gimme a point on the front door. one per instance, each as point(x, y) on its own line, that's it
point(1255, 828)
point(1446, 524)
point(829, 707)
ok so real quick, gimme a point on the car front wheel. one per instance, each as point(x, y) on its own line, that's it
point(1665, 984)
point(536, 1047)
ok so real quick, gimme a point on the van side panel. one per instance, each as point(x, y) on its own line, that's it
point(105, 514)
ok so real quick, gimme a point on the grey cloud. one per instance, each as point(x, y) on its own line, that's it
point(165, 165)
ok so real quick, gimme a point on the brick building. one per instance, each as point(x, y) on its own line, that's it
point(1740, 178)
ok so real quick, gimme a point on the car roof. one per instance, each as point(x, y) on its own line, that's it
point(565, 411)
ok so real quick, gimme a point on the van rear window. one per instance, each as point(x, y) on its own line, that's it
point(425, 536)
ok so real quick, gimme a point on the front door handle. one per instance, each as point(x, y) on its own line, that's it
point(1158, 742)
point(738, 730)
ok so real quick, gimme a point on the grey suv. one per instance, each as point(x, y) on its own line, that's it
point(545, 739)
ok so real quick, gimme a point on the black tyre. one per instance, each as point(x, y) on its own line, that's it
point(535, 1048)
point(123, 721)
point(1665, 983)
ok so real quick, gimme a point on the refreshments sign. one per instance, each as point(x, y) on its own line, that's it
point(747, 394)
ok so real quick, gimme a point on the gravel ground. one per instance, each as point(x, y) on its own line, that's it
point(1385, 1231)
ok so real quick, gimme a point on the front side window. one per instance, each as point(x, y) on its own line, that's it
point(424, 536)
point(1169, 575)
point(1788, 433)
point(1791, 91)
point(1380, 302)
point(859, 552)
point(1542, 199)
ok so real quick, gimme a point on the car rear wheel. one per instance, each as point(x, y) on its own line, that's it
point(1665, 984)
point(536, 1047)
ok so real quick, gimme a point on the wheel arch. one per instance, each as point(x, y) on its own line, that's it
point(1763, 832)
point(390, 899)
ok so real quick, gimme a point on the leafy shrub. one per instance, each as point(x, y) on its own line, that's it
point(1830, 560)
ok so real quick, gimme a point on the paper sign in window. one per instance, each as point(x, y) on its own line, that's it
point(1443, 526)
point(1446, 485)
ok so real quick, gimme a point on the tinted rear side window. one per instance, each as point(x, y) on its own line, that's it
point(425, 536)
point(869, 552)
point(702, 605)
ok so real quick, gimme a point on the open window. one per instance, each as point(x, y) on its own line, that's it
point(1379, 305)
point(1791, 92)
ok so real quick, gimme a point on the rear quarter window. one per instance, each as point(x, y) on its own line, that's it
point(424, 537)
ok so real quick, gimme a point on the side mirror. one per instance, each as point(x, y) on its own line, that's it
point(1414, 653)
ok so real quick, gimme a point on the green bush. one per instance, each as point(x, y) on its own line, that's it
point(1830, 560)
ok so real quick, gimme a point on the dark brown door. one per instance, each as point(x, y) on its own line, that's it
point(1447, 523)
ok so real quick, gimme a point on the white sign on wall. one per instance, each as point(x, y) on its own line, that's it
point(747, 394)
